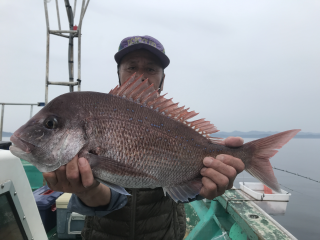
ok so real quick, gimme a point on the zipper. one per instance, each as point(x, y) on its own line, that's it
point(133, 213)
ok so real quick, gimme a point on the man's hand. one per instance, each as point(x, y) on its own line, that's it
point(219, 173)
point(76, 177)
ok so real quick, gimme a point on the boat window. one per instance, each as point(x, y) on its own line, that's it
point(10, 224)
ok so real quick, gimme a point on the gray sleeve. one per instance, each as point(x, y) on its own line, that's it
point(117, 201)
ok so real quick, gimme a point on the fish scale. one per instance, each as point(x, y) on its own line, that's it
point(134, 138)
point(158, 143)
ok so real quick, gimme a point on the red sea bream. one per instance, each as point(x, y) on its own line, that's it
point(134, 138)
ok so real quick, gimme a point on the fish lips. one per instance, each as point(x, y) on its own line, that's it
point(20, 143)
point(30, 158)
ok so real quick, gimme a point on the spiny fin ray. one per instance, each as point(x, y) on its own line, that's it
point(142, 92)
point(126, 84)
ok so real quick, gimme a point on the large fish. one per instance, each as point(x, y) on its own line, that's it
point(134, 138)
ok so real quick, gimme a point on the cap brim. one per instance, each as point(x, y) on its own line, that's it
point(163, 58)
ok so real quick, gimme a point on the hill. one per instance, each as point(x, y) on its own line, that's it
point(251, 134)
point(260, 134)
point(6, 134)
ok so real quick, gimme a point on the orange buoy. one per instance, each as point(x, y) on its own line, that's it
point(267, 190)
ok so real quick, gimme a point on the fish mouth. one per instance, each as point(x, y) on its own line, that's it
point(21, 144)
point(30, 158)
point(23, 150)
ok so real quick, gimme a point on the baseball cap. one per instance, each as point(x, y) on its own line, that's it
point(149, 43)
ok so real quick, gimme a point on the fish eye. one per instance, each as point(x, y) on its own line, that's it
point(51, 123)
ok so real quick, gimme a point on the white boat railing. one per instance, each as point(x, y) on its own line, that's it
point(39, 104)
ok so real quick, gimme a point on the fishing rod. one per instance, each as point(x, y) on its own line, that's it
point(296, 174)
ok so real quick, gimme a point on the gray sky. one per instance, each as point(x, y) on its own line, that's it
point(244, 65)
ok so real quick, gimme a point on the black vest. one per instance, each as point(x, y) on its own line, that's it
point(147, 215)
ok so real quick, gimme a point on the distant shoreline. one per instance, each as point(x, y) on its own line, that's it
point(251, 134)
point(6, 134)
point(260, 134)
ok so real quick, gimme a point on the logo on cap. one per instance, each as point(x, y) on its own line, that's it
point(137, 42)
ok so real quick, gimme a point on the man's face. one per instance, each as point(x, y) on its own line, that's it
point(142, 62)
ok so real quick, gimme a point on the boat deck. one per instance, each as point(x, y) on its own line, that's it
point(235, 215)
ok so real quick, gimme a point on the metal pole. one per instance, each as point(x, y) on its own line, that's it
point(81, 13)
point(47, 52)
point(58, 15)
point(86, 7)
point(70, 52)
point(64, 31)
point(83, 10)
point(31, 110)
point(74, 8)
point(64, 83)
point(59, 34)
point(19, 103)
point(1, 123)
point(79, 46)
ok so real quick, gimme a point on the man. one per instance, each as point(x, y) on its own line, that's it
point(147, 213)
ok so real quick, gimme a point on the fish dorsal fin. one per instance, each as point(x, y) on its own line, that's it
point(216, 140)
point(143, 93)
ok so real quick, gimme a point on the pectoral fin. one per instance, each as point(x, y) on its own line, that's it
point(114, 187)
point(185, 191)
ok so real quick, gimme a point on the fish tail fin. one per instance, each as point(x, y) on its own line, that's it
point(261, 150)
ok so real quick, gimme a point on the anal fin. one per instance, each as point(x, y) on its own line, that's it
point(185, 191)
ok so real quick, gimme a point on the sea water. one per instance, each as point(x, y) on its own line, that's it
point(299, 155)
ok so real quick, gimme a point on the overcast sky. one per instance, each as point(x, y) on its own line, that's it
point(244, 65)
